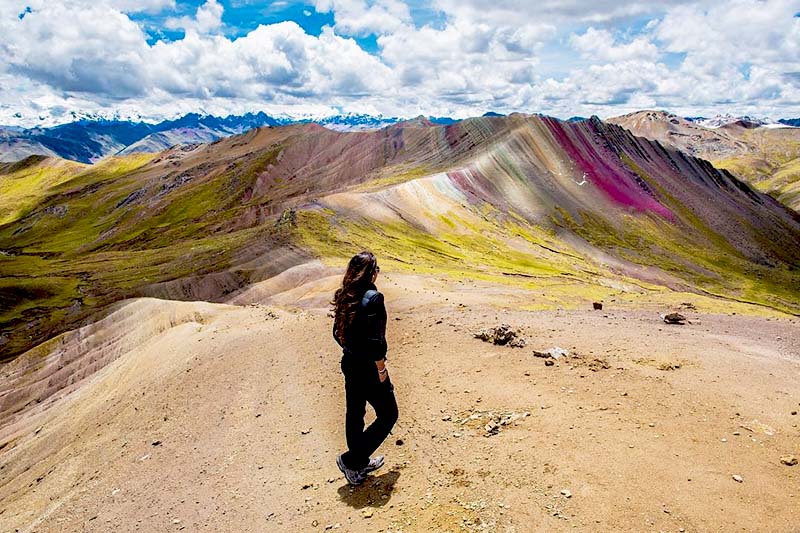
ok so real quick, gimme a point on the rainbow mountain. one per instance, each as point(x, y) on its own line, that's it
point(580, 211)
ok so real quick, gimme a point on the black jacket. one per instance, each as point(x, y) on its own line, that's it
point(366, 338)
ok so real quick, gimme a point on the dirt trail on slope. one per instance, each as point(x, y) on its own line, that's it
point(233, 424)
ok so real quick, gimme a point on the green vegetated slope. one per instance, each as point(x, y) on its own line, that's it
point(778, 176)
point(500, 199)
point(23, 184)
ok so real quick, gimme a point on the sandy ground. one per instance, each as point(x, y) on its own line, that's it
point(230, 420)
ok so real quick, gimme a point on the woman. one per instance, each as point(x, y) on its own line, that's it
point(359, 327)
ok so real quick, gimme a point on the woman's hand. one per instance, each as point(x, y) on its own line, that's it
point(383, 372)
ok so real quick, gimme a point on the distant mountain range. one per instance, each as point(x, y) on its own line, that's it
point(88, 140)
point(91, 138)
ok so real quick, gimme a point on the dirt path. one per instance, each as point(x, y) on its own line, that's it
point(234, 424)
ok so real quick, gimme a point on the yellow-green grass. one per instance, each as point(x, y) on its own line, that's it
point(705, 263)
point(772, 166)
point(394, 176)
point(42, 287)
point(22, 188)
point(558, 279)
point(708, 268)
point(94, 247)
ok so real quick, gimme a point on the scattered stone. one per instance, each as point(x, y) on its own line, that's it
point(737, 478)
point(789, 460)
point(688, 306)
point(492, 428)
point(518, 342)
point(598, 364)
point(156, 443)
point(666, 367)
point(367, 513)
point(597, 306)
point(566, 493)
point(399, 442)
point(176, 521)
point(674, 318)
point(794, 413)
point(305, 431)
point(549, 362)
point(314, 523)
point(552, 353)
point(502, 335)
point(307, 486)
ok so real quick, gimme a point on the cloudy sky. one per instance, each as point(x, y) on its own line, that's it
point(161, 58)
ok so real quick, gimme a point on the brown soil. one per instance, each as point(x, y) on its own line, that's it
point(229, 418)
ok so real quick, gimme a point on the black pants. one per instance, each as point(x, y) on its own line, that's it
point(362, 385)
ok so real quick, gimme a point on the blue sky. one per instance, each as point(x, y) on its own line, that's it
point(159, 58)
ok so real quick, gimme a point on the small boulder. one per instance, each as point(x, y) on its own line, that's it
point(597, 306)
point(502, 335)
point(789, 460)
point(674, 318)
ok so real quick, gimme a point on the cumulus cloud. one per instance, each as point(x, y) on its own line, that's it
point(68, 49)
point(602, 46)
point(207, 19)
point(566, 57)
point(365, 17)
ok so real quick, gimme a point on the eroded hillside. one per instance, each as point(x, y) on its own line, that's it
point(575, 209)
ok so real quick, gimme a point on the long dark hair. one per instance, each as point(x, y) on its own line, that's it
point(355, 283)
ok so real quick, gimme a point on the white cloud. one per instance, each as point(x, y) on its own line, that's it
point(567, 58)
point(141, 6)
point(207, 19)
point(68, 49)
point(365, 17)
point(602, 46)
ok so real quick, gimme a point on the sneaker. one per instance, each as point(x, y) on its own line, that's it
point(374, 464)
point(354, 477)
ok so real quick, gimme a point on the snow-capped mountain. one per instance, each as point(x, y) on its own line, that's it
point(91, 137)
point(724, 120)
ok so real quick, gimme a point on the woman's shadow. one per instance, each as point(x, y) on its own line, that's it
point(376, 491)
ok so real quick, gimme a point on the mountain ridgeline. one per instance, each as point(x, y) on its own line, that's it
point(577, 209)
point(768, 157)
point(87, 141)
